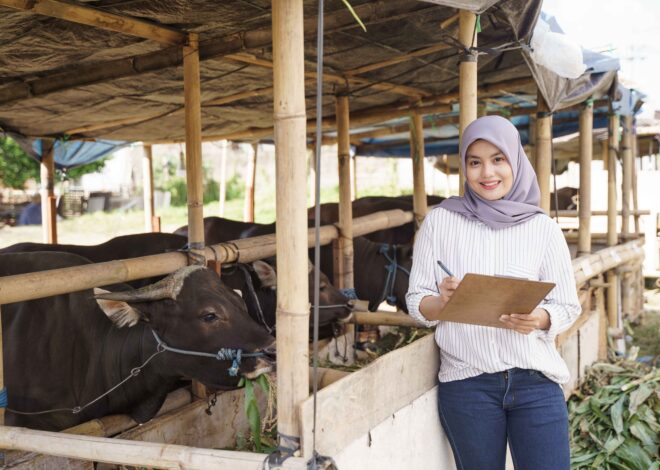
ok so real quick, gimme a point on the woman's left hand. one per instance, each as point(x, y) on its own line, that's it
point(539, 319)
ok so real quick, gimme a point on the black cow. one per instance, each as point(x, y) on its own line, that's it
point(334, 305)
point(219, 229)
point(67, 350)
point(567, 198)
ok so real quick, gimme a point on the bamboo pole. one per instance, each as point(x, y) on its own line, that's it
point(467, 72)
point(2, 376)
point(36, 285)
point(635, 159)
point(250, 178)
point(532, 140)
point(417, 154)
point(139, 454)
point(222, 192)
point(626, 178)
point(148, 188)
point(354, 190)
point(191, 88)
point(292, 263)
point(612, 237)
point(586, 156)
point(543, 151)
point(344, 275)
point(48, 206)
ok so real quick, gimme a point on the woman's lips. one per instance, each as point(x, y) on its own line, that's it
point(490, 184)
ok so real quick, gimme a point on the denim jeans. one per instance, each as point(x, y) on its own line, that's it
point(523, 406)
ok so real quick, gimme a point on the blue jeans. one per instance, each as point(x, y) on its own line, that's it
point(522, 406)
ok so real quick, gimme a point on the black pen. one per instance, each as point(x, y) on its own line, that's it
point(444, 268)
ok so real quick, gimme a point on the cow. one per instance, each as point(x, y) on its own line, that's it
point(368, 205)
point(219, 229)
point(381, 272)
point(257, 288)
point(567, 198)
point(63, 353)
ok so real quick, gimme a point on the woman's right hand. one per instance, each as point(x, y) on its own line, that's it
point(447, 288)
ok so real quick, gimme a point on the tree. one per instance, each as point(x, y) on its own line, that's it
point(16, 166)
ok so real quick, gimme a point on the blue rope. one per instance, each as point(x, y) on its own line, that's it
point(349, 293)
point(3, 398)
point(233, 354)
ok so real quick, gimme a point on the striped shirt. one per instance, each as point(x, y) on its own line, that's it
point(536, 250)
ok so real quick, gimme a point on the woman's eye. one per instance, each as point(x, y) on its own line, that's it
point(473, 163)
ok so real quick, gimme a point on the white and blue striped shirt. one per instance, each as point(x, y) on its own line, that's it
point(536, 250)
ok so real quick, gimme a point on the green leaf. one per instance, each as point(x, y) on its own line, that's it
point(642, 432)
point(255, 424)
point(241, 383)
point(617, 415)
point(632, 453)
point(613, 443)
point(262, 381)
point(357, 18)
point(478, 24)
point(639, 396)
point(249, 394)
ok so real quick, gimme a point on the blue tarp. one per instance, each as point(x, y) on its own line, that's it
point(69, 154)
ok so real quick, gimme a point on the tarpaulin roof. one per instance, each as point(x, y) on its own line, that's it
point(68, 153)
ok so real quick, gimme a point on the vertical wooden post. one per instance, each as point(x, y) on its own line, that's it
point(354, 178)
point(250, 178)
point(586, 156)
point(532, 140)
point(2, 377)
point(345, 224)
point(543, 150)
point(48, 209)
point(193, 113)
point(626, 176)
point(148, 188)
point(467, 79)
point(194, 175)
point(417, 154)
point(292, 264)
point(612, 237)
point(222, 192)
point(635, 161)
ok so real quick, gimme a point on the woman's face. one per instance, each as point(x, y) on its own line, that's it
point(488, 172)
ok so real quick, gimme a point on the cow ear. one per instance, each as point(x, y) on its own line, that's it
point(120, 313)
point(266, 273)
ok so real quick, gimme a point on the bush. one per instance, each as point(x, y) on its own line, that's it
point(235, 188)
point(177, 187)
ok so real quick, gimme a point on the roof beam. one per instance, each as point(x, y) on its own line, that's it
point(89, 74)
point(97, 18)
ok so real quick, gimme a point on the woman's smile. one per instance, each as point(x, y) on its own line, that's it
point(488, 171)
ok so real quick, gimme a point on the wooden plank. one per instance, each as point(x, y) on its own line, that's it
point(148, 188)
point(586, 157)
point(48, 200)
point(417, 156)
point(344, 268)
point(142, 454)
point(397, 59)
point(77, 13)
point(349, 408)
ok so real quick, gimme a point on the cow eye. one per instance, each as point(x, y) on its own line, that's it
point(209, 316)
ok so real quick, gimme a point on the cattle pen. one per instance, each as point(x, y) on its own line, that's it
point(359, 419)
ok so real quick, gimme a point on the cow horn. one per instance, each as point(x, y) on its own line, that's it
point(167, 288)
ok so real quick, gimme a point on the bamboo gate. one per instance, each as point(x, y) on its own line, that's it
point(360, 415)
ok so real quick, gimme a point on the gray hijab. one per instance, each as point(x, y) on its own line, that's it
point(522, 201)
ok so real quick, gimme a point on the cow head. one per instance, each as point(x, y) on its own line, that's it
point(333, 304)
point(192, 310)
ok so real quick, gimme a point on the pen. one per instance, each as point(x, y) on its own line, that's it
point(444, 268)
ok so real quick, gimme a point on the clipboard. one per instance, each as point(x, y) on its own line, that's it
point(481, 300)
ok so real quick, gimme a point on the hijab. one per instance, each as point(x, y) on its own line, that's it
point(522, 201)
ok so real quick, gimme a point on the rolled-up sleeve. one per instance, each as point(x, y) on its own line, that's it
point(422, 277)
point(562, 303)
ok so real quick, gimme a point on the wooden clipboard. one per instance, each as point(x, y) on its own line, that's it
point(481, 300)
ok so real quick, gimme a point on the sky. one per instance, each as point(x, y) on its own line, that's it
point(627, 29)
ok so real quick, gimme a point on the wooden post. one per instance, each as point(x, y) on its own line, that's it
point(194, 175)
point(354, 177)
point(292, 264)
point(543, 150)
point(148, 188)
point(345, 224)
point(48, 206)
point(417, 153)
point(626, 175)
point(250, 178)
point(191, 87)
point(2, 377)
point(635, 161)
point(586, 156)
point(532, 140)
point(612, 238)
point(467, 72)
point(222, 192)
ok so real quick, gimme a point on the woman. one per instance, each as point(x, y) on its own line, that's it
point(498, 384)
